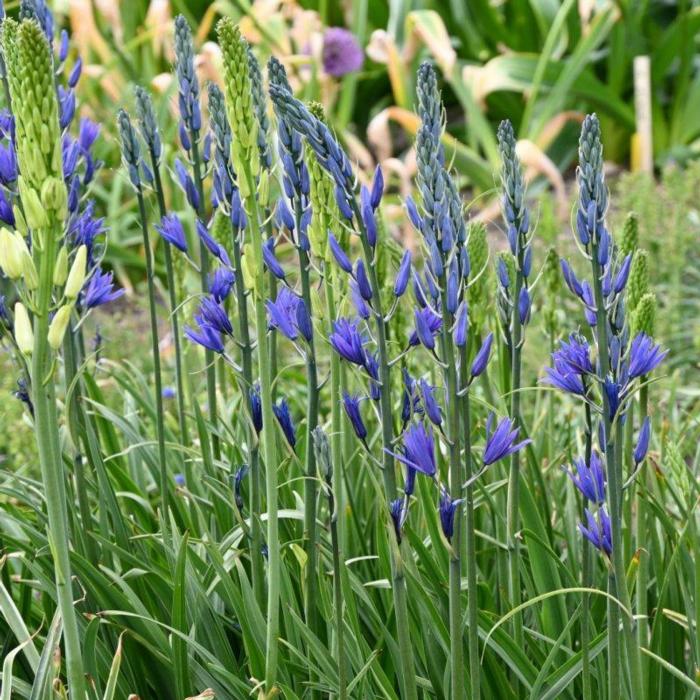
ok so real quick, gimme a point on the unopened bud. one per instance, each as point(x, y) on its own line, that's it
point(10, 255)
point(29, 273)
point(60, 268)
point(76, 277)
point(59, 323)
point(264, 188)
point(33, 208)
point(24, 335)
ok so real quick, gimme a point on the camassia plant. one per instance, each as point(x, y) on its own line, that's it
point(333, 500)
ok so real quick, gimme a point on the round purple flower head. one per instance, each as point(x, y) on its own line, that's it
point(341, 52)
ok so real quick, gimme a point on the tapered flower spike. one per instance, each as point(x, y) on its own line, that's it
point(188, 83)
point(260, 104)
point(148, 121)
point(239, 103)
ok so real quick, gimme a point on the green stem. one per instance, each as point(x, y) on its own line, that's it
point(268, 441)
point(160, 430)
point(174, 319)
point(617, 581)
point(408, 675)
point(456, 480)
point(512, 521)
point(204, 272)
point(253, 449)
point(52, 470)
point(586, 579)
point(472, 592)
point(642, 539)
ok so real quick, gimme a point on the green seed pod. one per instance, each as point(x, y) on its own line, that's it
point(59, 323)
point(76, 276)
point(239, 105)
point(638, 283)
point(60, 268)
point(24, 335)
point(644, 316)
point(630, 234)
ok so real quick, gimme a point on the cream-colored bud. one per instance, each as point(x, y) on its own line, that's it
point(58, 325)
point(24, 335)
point(60, 268)
point(76, 276)
point(29, 273)
point(10, 255)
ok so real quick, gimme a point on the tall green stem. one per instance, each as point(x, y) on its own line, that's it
point(268, 438)
point(642, 538)
point(514, 475)
point(587, 579)
point(160, 430)
point(52, 470)
point(172, 298)
point(408, 676)
point(618, 584)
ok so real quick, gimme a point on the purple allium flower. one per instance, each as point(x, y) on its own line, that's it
point(282, 313)
point(642, 447)
point(347, 341)
point(221, 282)
point(100, 290)
point(256, 407)
point(428, 324)
point(342, 53)
point(598, 530)
point(207, 336)
point(501, 442)
point(171, 229)
point(214, 315)
point(481, 359)
point(351, 404)
point(589, 479)
point(418, 449)
point(339, 254)
point(402, 276)
point(644, 356)
point(284, 418)
point(447, 509)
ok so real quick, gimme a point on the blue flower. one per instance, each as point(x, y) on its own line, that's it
point(613, 392)
point(23, 395)
point(238, 477)
point(282, 313)
point(358, 300)
point(447, 510)
point(221, 283)
point(168, 392)
point(256, 407)
point(428, 324)
point(403, 275)
point(213, 314)
point(461, 327)
point(399, 512)
point(100, 290)
point(430, 404)
point(363, 281)
point(413, 214)
point(284, 418)
point(524, 305)
point(644, 356)
point(503, 275)
point(212, 246)
point(187, 184)
point(502, 442)
point(179, 479)
point(351, 404)
point(481, 359)
point(271, 262)
point(589, 479)
point(418, 450)
point(339, 254)
point(171, 229)
point(598, 531)
point(8, 164)
point(7, 215)
point(642, 447)
point(207, 336)
point(347, 341)
point(622, 275)
point(285, 218)
point(377, 191)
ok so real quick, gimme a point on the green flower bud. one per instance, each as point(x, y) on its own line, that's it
point(10, 254)
point(76, 276)
point(239, 105)
point(221, 230)
point(29, 273)
point(264, 188)
point(638, 283)
point(249, 266)
point(34, 210)
point(552, 281)
point(630, 234)
point(60, 268)
point(644, 316)
point(24, 335)
point(59, 323)
point(478, 293)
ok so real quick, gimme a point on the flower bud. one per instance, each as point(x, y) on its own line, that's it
point(58, 325)
point(29, 273)
point(76, 276)
point(60, 268)
point(10, 255)
point(24, 335)
point(34, 210)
